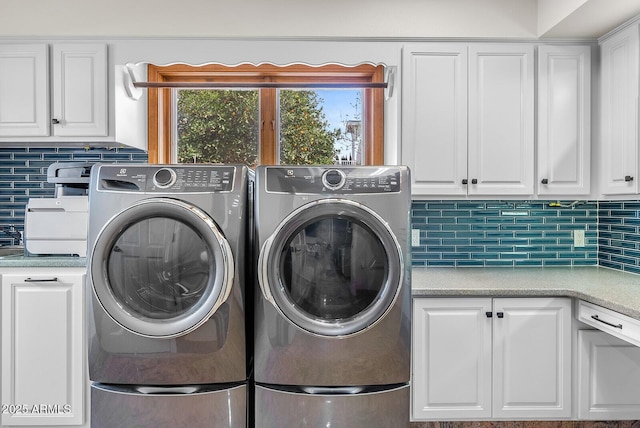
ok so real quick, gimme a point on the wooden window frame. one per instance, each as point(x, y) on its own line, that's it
point(160, 104)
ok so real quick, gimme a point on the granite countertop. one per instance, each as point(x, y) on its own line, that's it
point(41, 261)
point(612, 289)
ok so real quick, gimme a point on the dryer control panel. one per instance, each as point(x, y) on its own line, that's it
point(165, 178)
point(330, 180)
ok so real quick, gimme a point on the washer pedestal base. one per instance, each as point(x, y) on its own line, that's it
point(380, 409)
point(113, 407)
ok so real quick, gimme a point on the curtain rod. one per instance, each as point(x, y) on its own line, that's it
point(280, 85)
point(133, 87)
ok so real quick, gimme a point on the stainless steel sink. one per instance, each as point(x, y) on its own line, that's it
point(11, 250)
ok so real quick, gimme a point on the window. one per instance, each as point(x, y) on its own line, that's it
point(265, 114)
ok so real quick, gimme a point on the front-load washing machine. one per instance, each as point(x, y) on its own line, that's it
point(166, 302)
point(332, 311)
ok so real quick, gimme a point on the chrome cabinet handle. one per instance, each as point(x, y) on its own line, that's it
point(595, 317)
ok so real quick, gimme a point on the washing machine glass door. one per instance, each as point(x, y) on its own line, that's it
point(333, 268)
point(161, 268)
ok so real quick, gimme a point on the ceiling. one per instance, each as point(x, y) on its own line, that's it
point(583, 18)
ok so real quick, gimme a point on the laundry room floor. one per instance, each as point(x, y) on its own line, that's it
point(528, 424)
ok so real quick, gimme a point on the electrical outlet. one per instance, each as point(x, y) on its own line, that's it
point(415, 237)
point(578, 238)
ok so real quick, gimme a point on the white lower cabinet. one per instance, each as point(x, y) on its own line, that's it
point(483, 358)
point(43, 358)
point(608, 377)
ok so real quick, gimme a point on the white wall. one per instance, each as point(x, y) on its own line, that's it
point(552, 12)
point(269, 18)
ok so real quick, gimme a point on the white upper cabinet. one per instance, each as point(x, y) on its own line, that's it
point(469, 124)
point(468, 118)
point(619, 74)
point(74, 106)
point(564, 120)
point(24, 90)
point(501, 119)
point(435, 117)
point(79, 78)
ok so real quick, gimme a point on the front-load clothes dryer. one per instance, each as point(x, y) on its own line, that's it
point(166, 302)
point(332, 307)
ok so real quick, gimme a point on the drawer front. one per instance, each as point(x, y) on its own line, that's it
point(614, 323)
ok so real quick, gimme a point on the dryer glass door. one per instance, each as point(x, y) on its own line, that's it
point(333, 268)
point(161, 268)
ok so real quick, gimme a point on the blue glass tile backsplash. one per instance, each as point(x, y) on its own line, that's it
point(619, 235)
point(504, 233)
point(23, 175)
point(452, 233)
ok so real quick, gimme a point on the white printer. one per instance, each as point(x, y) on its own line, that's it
point(59, 225)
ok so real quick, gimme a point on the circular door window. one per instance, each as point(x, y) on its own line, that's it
point(333, 268)
point(161, 268)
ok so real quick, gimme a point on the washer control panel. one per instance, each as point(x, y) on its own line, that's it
point(164, 178)
point(332, 180)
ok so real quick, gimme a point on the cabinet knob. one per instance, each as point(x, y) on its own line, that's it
point(500, 314)
point(489, 314)
point(628, 178)
point(465, 181)
point(474, 181)
point(545, 181)
point(55, 121)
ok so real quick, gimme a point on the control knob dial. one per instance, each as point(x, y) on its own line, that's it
point(333, 179)
point(164, 178)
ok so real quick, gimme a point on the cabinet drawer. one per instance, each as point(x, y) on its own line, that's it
point(614, 323)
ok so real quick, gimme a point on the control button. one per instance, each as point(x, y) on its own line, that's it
point(164, 178)
point(333, 179)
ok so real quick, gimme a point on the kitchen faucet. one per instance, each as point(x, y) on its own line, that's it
point(12, 232)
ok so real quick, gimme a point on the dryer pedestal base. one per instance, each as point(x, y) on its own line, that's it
point(113, 407)
point(380, 409)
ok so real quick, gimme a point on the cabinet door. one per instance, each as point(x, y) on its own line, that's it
point(42, 349)
point(619, 107)
point(608, 377)
point(434, 142)
point(564, 120)
point(532, 358)
point(451, 359)
point(79, 90)
point(501, 119)
point(24, 90)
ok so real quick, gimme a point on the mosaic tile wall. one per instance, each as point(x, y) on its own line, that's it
point(619, 235)
point(23, 175)
point(504, 233)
